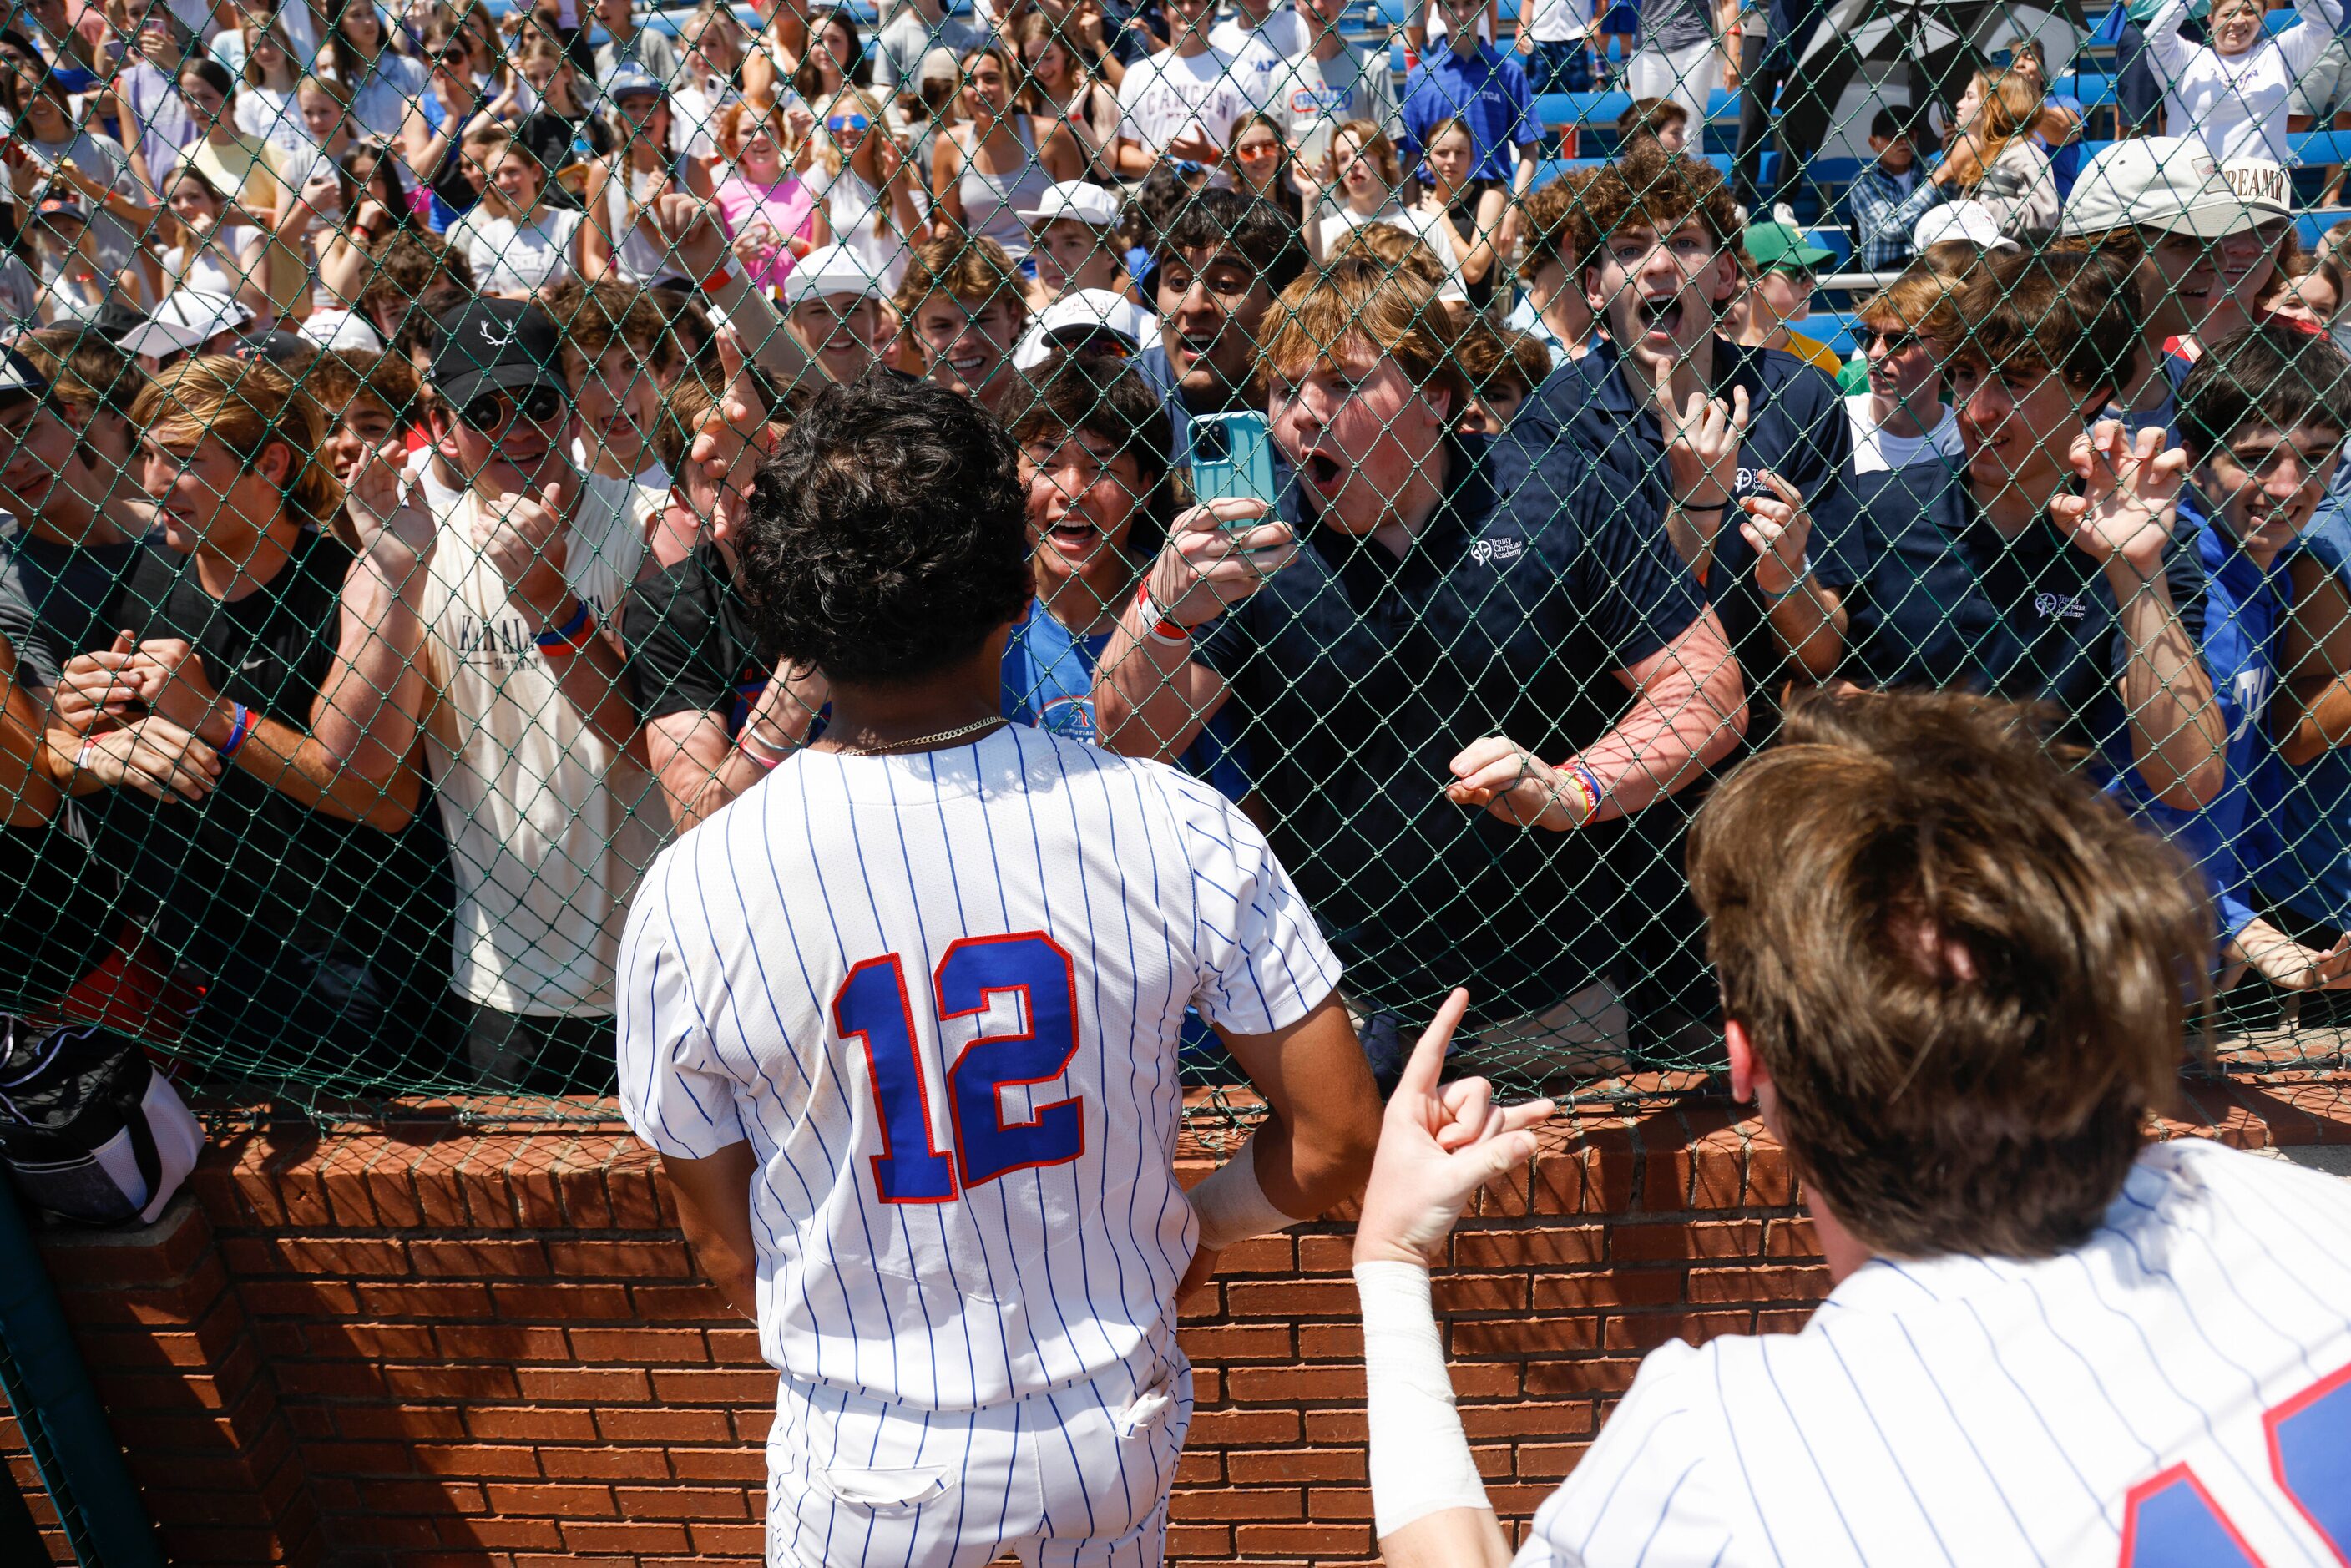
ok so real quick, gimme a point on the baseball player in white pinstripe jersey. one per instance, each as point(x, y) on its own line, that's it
point(1955, 980)
point(902, 1021)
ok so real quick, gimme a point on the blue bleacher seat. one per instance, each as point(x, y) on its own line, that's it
point(2315, 149)
point(1835, 239)
point(2317, 222)
point(1551, 169)
point(1834, 328)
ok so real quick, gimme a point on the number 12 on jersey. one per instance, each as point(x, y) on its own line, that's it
point(873, 1005)
point(2170, 1520)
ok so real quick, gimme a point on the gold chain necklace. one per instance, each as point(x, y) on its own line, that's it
point(922, 741)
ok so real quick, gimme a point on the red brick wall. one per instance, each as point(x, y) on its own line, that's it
point(420, 1347)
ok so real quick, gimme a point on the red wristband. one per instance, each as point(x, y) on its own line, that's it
point(1157, 625)
point(717, 281)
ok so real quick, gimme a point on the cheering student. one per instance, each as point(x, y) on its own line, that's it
point(1399, 677)
point(298, 880)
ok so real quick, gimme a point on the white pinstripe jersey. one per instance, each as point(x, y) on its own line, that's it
point(2175, 1392)
point(941, 994)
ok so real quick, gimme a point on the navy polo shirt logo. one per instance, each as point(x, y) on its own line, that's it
point(2063, 607)
point(1501, 549)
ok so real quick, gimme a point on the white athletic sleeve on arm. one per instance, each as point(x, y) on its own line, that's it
point(1261, 962)
point(676, 1092)
point(1648, 1491)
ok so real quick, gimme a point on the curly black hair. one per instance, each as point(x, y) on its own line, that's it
point(885, 537)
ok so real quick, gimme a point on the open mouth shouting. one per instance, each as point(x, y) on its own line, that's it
point(1323, 473)
point(1658, 316)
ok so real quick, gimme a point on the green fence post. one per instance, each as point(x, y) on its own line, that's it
point(58, 1412)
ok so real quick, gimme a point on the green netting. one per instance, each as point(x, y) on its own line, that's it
point(1682, 374)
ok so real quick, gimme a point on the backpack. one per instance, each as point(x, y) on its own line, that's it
point(89, 1128)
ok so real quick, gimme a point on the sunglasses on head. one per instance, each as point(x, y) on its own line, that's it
point(1894, 341)
point(494, 411)
point(841, 122)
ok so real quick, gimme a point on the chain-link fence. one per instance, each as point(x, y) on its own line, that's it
point(1454, 453)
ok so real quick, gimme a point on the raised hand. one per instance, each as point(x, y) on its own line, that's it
point(522, 537)
point(1518, 787)
point(394, 530)
point(1703, 437)
point(2130, 495)
point(733, 438)
point(1437, 1146)
point(695, 240)
point(1778, 528)
point(1216, 555)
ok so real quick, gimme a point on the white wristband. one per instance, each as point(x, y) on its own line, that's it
point(1420, 1461)
point(1232, 1206)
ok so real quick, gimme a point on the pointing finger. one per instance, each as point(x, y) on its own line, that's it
point(1420, 1074)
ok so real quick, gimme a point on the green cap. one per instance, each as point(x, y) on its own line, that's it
point(1783, 247)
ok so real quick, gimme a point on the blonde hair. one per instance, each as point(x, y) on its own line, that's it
point(1362, 300)
point(2012, 105)
point(1371, 143)
point(1922, 300)
point(247, 405)
point(832, 160)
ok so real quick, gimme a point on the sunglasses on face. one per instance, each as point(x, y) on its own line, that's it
point(492, 411)
point(1894, 341)
point(840, 123)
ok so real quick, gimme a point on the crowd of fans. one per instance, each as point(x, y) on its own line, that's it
point(385, 389)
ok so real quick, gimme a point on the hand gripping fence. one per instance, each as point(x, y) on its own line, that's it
point(1458, 458)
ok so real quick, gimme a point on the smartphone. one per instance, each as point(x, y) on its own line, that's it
point(1230, 456)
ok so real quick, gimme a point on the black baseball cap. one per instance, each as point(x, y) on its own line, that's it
point(495, 345)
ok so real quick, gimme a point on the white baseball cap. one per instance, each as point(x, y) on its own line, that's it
point(1082, 314)
point(1971, 221)
point(342, 330)
point(1079, 199)
point(2168, 183)
point(186, 319)
point(2264, 186)
point(830, 269)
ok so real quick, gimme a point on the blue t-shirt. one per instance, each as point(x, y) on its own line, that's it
point(1049, 681)
point(1489, 89)
point(2301, 834)
point(2243, 609)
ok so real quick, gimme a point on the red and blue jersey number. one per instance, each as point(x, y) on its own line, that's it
point(2169, 1521)
point(873, 1007)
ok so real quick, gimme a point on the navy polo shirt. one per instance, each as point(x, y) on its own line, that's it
point(1489, 91)
point(1357, 677)
point(1917, 616)
point(2060, 637)
point(1796, 427)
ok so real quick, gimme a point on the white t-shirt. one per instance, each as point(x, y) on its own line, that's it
point(1875, 452)
point(1338, 223)
point(548, 824)
point(510, 258)
point(1558, 21)
point(1273, 62)
point(212, 271)
point(941, 994)
point(273, 115)
point(1169, 94)
point(2237, 107)
point(1980, 1410)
